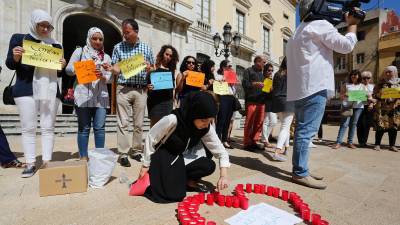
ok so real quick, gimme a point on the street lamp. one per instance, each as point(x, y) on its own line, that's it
point(227, 41)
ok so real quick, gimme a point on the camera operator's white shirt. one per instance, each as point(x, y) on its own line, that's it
point(310, 58)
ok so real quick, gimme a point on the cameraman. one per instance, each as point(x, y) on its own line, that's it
point(311, 81)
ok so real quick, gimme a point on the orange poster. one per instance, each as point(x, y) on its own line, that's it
point(195, 79)
point(85, 71)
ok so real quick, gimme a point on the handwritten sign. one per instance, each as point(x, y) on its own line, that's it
point(221, 88)
point(85, 71)
point(267, 85)
point(357, 96)
point(390, 93)
point(132, 66)
point(41, 55)
point(230, 77)
point(161, 80)
point(195, 79)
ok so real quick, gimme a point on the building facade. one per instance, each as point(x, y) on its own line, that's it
point(189, 25)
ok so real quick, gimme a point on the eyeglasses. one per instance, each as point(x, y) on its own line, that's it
point(49, 27)
point(366, 78)
point(190, 62)
point(270, 70)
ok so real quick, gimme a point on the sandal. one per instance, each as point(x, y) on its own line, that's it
point(268, 145)
point(14, 164)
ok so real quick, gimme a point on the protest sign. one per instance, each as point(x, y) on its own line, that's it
point(85, 71)
point(41, 55)
point(132, 66)
point(267, 85)
point(390, 92)
point(357, 96)
point(230, 77)
point(220, 88)
point(161, 80)
point(195, 79)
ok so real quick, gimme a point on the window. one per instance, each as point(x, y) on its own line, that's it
point(266, 39)
point(284, 46)
point(341, 63)
point(285, 16)
point(361, 35)
point(360, 58)
point(240, 21)
point(203, 10)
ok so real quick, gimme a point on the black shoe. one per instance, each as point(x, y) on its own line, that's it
point(200, 188)
point(137, 157)
point(29, 171)
point(249, 148)
point(124, 161)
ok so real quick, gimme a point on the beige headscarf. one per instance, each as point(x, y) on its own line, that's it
point(392, 80)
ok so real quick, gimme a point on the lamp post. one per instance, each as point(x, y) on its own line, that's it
point(227, 41)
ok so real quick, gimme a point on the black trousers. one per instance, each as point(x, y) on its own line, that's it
point(392, 136)
point(6, 155)
point(224, 116)
point(363, 125)
point(199, 168)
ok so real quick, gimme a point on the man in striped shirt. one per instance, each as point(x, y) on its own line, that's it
point(131, 92)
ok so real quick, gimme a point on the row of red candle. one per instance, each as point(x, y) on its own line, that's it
point(228, 201)
point(304, 210)
point(188, 211)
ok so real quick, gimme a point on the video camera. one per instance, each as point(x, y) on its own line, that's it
point(333, 10)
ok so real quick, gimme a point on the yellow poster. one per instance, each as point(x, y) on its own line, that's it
point(267, 85)
point(41, 55)
point(390, 92)
point(221, 88)
point(132, 66)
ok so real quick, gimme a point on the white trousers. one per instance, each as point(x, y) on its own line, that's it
point(286, 119)
point(270, 120)
point(28, 109)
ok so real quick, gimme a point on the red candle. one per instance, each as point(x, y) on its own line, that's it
point(298, 205)
point(270, 190)
point(193, 208)
point(201, 221)
point(216, 195)
point(244, 203)
point(202, 197)
point(211, 223)
point(193, 222)
point(228, 201)
point(262, 188)
point(256, 189)
point(185, 220)
point(315, 218)
point(285, 195)
point(210, 199)
point(323, 222)
point(239, 187)
point(305, 215)
point(291, 196)
point(248, 188)
point(182, 215)
point(235, 202)
point(221, 200)
point(276, 192)
point(195, 216)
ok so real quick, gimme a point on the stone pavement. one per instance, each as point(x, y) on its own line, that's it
point(363, 189)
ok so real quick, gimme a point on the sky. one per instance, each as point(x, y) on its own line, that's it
point(390, 4)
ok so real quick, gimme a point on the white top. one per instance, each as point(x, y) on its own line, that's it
point(355, 87)
point(93, 94)
point(166, 126)
point(310, 58)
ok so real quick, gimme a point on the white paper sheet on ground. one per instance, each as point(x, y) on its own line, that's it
point(263, 214)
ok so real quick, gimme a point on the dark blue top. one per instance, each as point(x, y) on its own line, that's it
point(23, 84)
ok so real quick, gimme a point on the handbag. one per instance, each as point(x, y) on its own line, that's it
point(139, 187)
point(8, 98)
point(346, 111)
point(237, 106)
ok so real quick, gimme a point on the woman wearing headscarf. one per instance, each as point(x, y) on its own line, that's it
point(35, 91)
point(172, 155)
point(91, 99)
point(387, 110)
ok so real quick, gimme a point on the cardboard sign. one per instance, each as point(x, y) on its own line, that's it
point(41, 55)
point(132, 66)
point(230, 77)
point(357, 96)
point(390, 93)
point(220, 88)
point(85, 71)
point(60, 178)
point(267, 85)
point(161, 80)
point(195, 79)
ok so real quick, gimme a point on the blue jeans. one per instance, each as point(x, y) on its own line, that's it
point(309, 112)
point(85, 118)
point(352, 120)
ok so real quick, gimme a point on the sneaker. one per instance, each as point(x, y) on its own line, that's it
point(29, 171)
point(312, 145)
point(309, 182)
point(393, 149)
point(137, 157)
point(279, 158)
point(124, 161)
point(377, 148)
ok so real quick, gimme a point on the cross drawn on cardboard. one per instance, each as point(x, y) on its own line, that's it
point(63, 180)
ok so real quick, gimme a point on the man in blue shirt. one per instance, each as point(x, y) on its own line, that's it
point(131, 92)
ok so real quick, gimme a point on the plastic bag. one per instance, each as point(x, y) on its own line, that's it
point(101, 165)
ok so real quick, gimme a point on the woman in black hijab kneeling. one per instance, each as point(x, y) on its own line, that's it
point(174, 155)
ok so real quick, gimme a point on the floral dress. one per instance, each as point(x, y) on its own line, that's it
point(387, 111)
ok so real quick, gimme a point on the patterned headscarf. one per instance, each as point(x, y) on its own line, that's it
point(96, 55)
point(393, 79)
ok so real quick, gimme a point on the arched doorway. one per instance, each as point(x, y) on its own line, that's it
point(75, 29)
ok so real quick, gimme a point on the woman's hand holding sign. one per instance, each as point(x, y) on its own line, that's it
point(17, 53)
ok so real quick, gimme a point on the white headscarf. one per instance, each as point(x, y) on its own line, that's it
point(392, 80)
point(39, 16)
point(91, 53)
point(44, 83)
